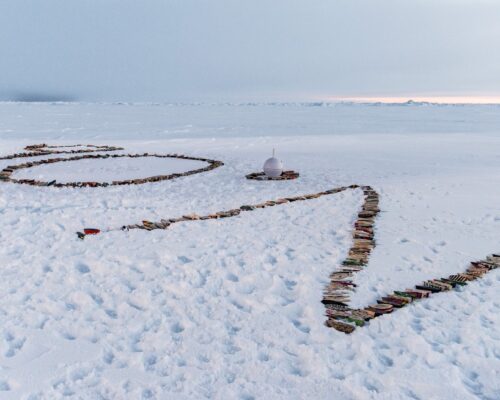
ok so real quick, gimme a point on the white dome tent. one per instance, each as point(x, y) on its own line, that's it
point(273, 171)
point(273, 168)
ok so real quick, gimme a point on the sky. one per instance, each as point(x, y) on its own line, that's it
point(224, 50)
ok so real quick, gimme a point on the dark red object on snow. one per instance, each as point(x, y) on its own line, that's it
point(91, 231)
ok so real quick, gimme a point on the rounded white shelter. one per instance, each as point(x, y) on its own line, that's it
point(273, 167)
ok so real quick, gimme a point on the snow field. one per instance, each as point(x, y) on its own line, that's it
point(231, 308)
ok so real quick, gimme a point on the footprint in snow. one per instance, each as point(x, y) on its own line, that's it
point(147, 394)
point(232, 277)
point(108, 357)
point(149, 362)
point(176, 328)
point(79, 374)
point(385, 361)
point(290, 254)
point(271, 259)
point(294, 370)
point(184, 259)
point(68, 336)
point(371, 385)
point(82, 268)
point(416, 325)
point(4, 386)
point(230, 377)
point(300, 327)
point(15, 345)
point(290, 285)
point(112, 314)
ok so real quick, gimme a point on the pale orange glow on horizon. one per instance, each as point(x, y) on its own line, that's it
point(429, 99)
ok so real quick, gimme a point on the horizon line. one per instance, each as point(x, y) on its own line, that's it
point(387, 100)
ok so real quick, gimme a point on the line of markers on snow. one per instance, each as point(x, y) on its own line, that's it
point(336, 295)
point(5, 174)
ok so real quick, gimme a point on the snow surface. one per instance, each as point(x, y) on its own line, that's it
point(107, 169)
point(231, 308)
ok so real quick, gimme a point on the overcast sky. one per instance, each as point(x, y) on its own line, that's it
point(189, 50)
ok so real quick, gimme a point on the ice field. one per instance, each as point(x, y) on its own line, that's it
point(232, 308)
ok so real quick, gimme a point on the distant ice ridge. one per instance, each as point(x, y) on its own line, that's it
point(342, 103)
point(141, 121)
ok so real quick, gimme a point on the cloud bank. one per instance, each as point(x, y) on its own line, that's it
point(195, 50)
